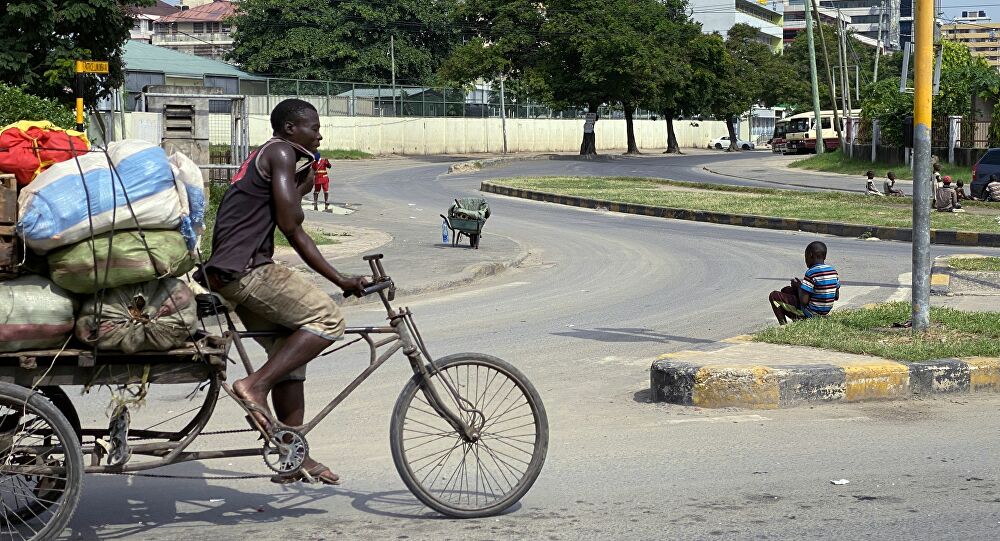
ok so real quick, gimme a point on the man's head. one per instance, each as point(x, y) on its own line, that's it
point(297, 121)
point(815, 253)
point(994, 178)
point(870, 174)
point(961, 184)
point(946, 180)
point(937, 168)
point(890, 175)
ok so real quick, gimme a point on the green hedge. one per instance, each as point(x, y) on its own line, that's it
point(16, 104)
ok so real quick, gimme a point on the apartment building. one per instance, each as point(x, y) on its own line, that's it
point(868, 20)
point(976, 30)
point(144, 19)
point(721, 15)
point(202, 30)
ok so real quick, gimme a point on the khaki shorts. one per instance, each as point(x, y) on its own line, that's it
point(275, 298)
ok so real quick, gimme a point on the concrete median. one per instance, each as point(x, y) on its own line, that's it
point(744, 374)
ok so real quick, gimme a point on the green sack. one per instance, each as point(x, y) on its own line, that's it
point(156, 316)
point(128, 263)
point(34, 314)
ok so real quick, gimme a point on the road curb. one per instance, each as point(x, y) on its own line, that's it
point(938, 236)
point(941, 276)
point(501, 161)
point(772, 385)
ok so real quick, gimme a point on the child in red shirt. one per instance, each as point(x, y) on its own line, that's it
point(321, 166)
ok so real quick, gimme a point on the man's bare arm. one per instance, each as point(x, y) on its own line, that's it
point(279, 161)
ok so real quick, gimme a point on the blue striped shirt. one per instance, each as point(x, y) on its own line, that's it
point(821, 282)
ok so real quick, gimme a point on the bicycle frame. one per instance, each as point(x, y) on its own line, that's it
point(401, 334)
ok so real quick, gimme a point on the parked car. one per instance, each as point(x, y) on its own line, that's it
point(988, 164)
point(723, 142)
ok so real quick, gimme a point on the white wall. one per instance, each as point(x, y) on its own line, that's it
point(422, 136)
point(444, 135)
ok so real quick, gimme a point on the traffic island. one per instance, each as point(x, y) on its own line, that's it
point(839, 214)
point(851, 356)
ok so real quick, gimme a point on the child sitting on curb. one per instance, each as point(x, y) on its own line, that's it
point(811, 296)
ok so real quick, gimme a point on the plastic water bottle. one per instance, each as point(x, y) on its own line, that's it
point(444, 231)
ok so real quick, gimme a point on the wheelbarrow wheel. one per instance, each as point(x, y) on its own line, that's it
point(42, 468)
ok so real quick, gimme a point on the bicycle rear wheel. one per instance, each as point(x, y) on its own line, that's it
point(464, 479)
point(41, 466)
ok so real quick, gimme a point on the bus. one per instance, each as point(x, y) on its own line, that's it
point(800, 134)
point(777, 141)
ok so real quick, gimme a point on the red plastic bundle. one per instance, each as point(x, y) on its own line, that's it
point(27, 148)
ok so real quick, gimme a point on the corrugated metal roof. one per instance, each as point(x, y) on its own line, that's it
point(159, 9)
point(209, 13)
point(141, 56)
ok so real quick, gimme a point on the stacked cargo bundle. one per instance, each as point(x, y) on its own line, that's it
point(105, 234)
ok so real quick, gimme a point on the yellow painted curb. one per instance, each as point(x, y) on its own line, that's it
point(741, 339)
point(984, 373)
point(755, 387)
point(942, 280)
point(875, 380)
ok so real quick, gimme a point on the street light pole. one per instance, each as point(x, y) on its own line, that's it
point(923, 82)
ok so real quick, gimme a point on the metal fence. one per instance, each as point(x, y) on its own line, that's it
point(339, 98)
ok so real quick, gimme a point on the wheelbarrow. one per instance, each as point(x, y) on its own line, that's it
point(467, 216)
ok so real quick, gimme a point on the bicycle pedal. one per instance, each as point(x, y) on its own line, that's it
point(120, 451)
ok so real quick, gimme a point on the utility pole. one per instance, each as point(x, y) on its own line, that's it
point(829, 76)
point(503, 114)
point(845, 77)
point(923, 88)
point(820, 145)
point(392, 56)
point(878, 42)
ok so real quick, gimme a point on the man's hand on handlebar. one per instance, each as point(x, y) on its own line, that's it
point(354, 285)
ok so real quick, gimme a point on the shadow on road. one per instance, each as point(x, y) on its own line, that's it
point(629, 335)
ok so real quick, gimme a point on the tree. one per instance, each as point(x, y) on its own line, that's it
point(742, 83)
point(16, 104)
point(598, 52)
point(344, 40)
point(963, 78)
point(688, 83)
point(41, 39)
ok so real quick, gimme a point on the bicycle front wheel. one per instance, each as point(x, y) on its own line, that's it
point(464, 479)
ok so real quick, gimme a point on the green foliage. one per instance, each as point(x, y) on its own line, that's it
point(41, 39)
point(16, 104)
point(963, 77)
point(793, 88)
point(344, 40)
point(501, 37)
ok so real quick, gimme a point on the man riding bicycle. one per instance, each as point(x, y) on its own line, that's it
point(265, 194)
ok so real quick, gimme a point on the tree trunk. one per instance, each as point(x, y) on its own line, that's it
point(731, 125)
point(630, 129)
point(672, 146)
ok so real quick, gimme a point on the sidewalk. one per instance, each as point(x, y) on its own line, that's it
point(417, 263)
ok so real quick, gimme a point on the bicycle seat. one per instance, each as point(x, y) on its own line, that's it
point(209, 304)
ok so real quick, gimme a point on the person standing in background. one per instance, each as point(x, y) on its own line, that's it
point(321, 168)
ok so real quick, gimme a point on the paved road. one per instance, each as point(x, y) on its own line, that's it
point(599, 297)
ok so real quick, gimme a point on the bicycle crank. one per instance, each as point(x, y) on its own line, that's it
point(286, 451)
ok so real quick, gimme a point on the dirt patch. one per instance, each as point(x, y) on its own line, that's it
point(351, 241)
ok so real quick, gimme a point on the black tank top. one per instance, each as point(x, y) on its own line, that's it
point(243, 237)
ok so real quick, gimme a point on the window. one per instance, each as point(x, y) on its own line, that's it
point(826, 123)
point(991, 158)
point(199, 28)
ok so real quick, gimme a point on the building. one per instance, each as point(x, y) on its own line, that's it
point(977, 32)
point(146, 64)
point(868, 20)
point(202, 30)
point(721, 15)
point(905, 21)
point(145, 17)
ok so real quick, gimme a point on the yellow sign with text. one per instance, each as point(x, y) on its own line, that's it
point(91, 66)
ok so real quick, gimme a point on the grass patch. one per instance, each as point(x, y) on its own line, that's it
point(341, 154)
point(826, 206)
point(981, 264)
point(837, 162)
point(216, 191)
point(867, 331)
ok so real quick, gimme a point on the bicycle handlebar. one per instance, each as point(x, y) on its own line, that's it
point(373, 288)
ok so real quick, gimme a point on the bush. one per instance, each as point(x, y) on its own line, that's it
point(16, 104)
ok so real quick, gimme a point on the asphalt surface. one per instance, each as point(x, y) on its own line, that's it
point(598, 297)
